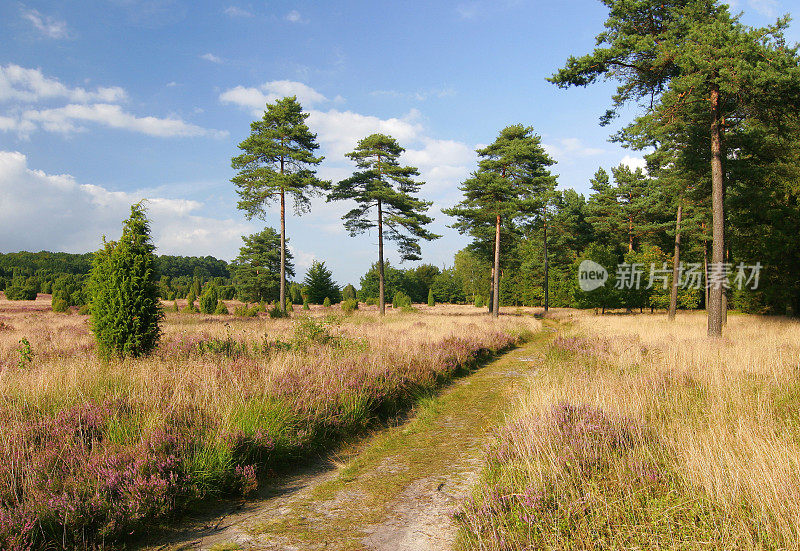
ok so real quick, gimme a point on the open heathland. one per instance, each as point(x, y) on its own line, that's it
point(640, 433)
point(92, 450)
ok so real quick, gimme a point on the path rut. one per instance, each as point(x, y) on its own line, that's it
point(396, 491)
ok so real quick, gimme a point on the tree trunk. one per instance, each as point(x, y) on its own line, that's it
point(718, 220)
point(381, 297)
point(705, 268)
point(725, 295)
point(630, 234)
point(546, 272)
point(283, 252)
point(673, 292)
point(496, 282)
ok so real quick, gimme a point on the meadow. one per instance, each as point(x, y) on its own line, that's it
point(638, 433)
point(92, 450)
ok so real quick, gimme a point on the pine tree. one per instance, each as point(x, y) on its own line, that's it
point(319, 284)
point(512, 182)
point(431, 300)
point(384, 186)
point(278, 159)
point(124, 291)
point(704, 74)
point(256, 271)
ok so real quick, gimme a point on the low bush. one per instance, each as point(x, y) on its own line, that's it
point(349, 306)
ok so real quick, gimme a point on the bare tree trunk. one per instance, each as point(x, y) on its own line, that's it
point(546, 272)
point(705, 267)
point(283, 252)
point(718, 220)
point(381, 298)
point(673, 292)
point(725, 295)
point(496, 281)
point(630, 234)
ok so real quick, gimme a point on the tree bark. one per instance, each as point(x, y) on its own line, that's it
point(381, 297)
point(496, 281)
point(673, 293)
point(718, 219)
point(705, 267)
point(546, 272)
point(283, 252)
point(725, 295)
point(630, 234)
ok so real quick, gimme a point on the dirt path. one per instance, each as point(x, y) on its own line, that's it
point(396, 493)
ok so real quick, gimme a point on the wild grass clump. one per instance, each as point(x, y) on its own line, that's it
point(92, 451)
point(638, 433)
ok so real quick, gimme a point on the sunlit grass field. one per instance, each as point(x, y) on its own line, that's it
point(92, 451)
point(638, 433)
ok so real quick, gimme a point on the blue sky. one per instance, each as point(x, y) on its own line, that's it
point(105, 103)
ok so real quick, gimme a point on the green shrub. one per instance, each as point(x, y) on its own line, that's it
point(401, 300)
point(371, 301)
point(209, 299)
point(327, 302)
point(190, 308)
point(60, 305)
point(479, 302)
point(349, 292)
point(221, 309)
point(275, 312)
point(289, 307)
point(124, 291)
point(305, 305)
point(175, 305)
point(245, 311)
point(349, 305)
point(431, 300)
point(21, 291)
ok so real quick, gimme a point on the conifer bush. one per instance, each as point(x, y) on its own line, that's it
point(221, 309)
point(349, 306)
point(209, 299)
point(401, 300)
point(327, 302)
point(431, 300)
point(124, 292)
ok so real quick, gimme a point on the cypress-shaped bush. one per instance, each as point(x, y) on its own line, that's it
point(124, 291)
point(209, 299)
point(327, 302)
point(431, 300)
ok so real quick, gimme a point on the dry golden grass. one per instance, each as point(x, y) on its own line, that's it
point(719, 419)
point(95, 448)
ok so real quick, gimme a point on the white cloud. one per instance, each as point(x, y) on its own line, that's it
point(634, 162)
point(302, 260)
point(294, 17)
point(339, 131)
point(420, 95)
point(768, 8)
point(48, 26)
point(30, 86)
point(70, 117)
point(257, 98)
point(568, 149)
point(468, 10)
point(211, 57)
point(235, 11)
point(40, 211)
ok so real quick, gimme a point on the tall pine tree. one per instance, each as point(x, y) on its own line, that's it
point(512, 182)
point(278, 159)
point(694, 65)
point(385, 193)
